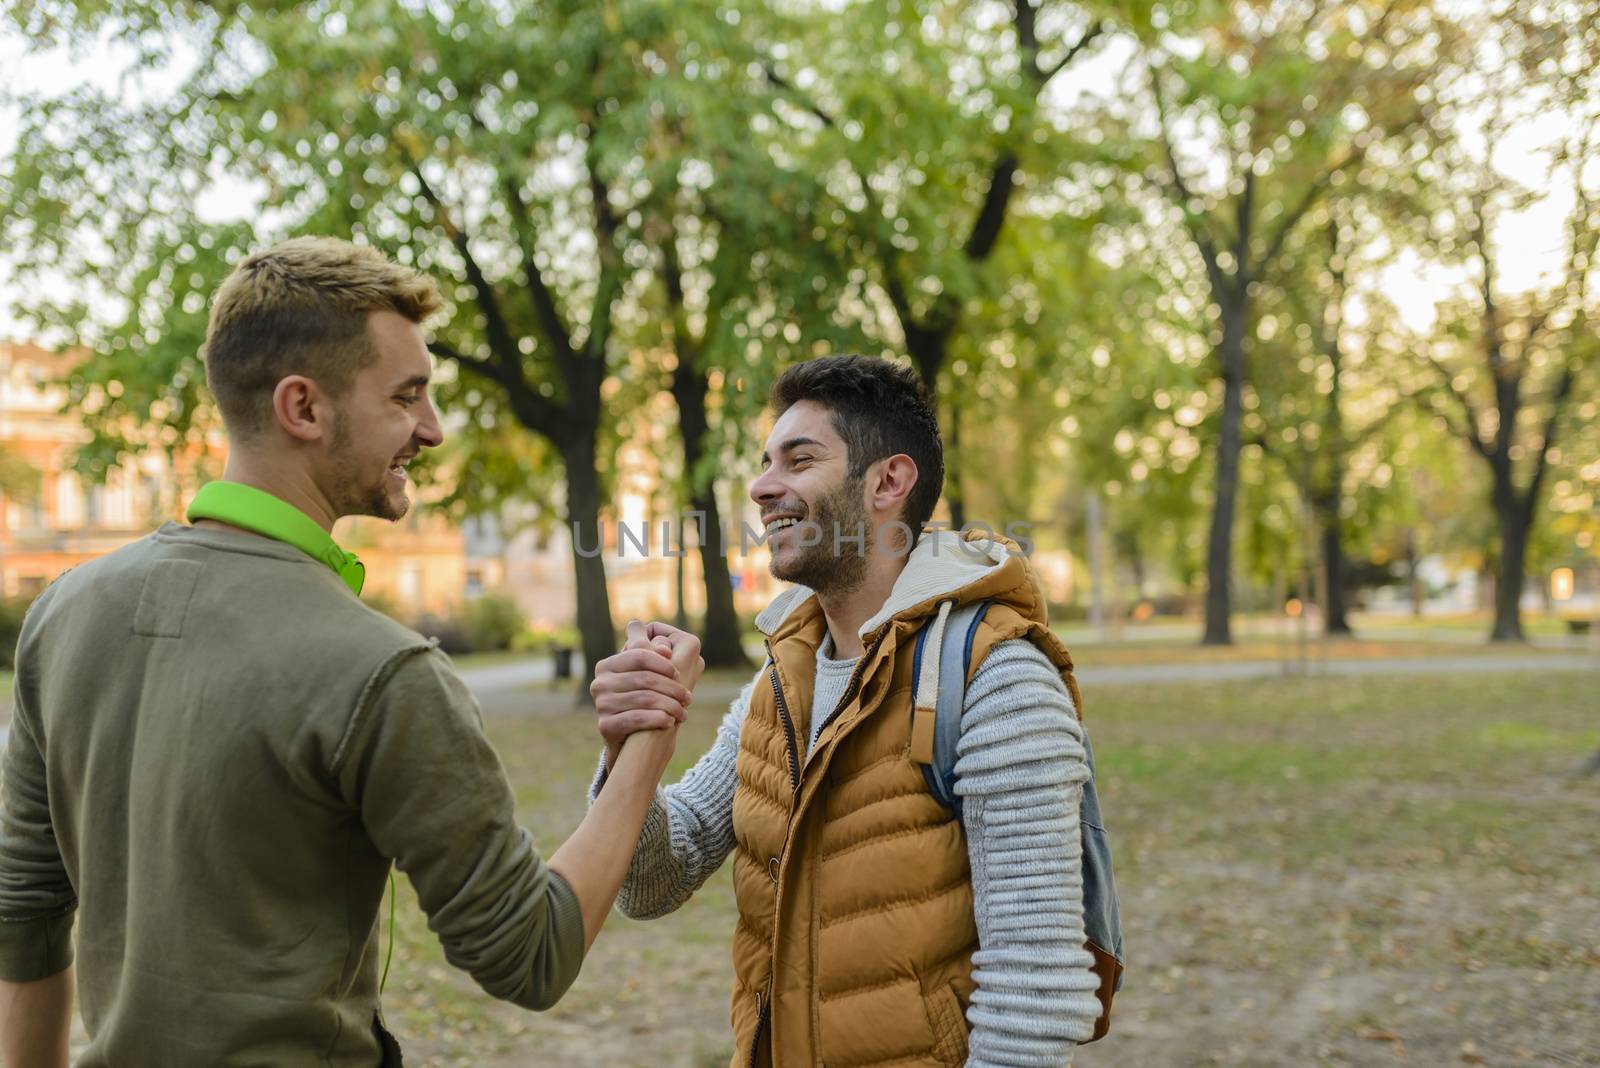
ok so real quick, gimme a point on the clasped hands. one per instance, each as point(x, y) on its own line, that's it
point(647, 686)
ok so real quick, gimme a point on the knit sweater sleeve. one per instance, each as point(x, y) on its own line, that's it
point(688, 831)
point(1021, 767)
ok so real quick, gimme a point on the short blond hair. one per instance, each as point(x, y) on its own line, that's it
point(301, 308)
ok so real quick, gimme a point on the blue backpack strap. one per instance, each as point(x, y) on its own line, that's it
point(955, 659)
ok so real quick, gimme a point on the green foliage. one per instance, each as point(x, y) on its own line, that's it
point(12, 610)
point(493, 622)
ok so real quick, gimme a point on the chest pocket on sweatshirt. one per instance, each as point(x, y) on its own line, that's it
point(164, 600)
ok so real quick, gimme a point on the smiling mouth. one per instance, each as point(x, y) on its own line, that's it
point(781, 523)
point(398, 468)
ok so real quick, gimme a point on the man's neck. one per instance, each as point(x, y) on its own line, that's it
point(297, 488)
point(847, 610)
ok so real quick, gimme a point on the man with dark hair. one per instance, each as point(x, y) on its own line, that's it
point(218, 752)
point(874, 927)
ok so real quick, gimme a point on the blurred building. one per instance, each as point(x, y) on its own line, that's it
point(52, 519)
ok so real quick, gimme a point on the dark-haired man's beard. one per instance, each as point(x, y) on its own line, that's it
point(837, 563)
point(355, 493)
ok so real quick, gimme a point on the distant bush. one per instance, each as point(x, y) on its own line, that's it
point(449, 631)
point(381, 603)
point(12, 609)
point(1067, 612)
point(542, 639)
point(492, 622)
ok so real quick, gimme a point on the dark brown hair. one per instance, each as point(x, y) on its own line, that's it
point(880, 408)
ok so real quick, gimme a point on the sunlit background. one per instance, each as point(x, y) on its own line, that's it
point(1273, 322)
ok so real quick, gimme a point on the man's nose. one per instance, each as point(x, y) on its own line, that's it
point(766, 488)
point(429, 431)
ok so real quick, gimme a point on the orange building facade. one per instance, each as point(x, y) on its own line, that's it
point(51, 519)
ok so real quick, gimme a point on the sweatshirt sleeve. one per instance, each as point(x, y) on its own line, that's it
point(433, 796)
point(1021, 766)
point(688, 831)
point(37, 900)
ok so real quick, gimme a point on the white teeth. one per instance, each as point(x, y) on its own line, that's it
point(780, 524)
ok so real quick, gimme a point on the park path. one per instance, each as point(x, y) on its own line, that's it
point(503, 689)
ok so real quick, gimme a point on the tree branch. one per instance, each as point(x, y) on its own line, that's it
point(1470, 432)
point(1178, 189)
point(1297, 473)
point(986, 227)
point(544, 304)
point(501, 342)
point(807, 104)
point(1547, 437)
point(535, 412)
point(1025, 21)
point(1308, 201)
point(1085, 41)
point(609, 283)
point(1244, 221)
point(684, 347)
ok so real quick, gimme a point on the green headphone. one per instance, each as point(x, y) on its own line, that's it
point(260, 512)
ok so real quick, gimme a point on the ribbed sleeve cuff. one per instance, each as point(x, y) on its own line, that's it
point(599, 779)
point(566, 916)
point(37, 948)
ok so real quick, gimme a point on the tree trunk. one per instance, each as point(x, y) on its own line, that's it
point(927, 349)
point(1331, 504)
point(588, 554)
point(680, 618)
point(1333, 567)
point(1219, 549)
point(1097, 607)
point(952, 468)
point(1413, 580)
point(720, 641)
point(1514, 523)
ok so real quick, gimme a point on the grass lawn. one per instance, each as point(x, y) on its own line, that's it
point(1369, 871)
point(468, 661)
point(1285, 647)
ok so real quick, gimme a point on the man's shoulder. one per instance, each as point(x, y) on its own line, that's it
point(91, 576)
point(1014, 666)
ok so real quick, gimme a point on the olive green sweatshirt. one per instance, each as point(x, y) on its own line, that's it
point(215, 754)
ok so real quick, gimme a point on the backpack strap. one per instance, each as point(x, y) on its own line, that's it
point(940, 665)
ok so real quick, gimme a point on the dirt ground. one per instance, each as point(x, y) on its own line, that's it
point(1312, 872)
point(1357, 871)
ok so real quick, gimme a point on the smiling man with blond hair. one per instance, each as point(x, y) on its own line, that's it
point(218, 752)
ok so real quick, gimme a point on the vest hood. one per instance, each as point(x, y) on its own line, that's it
point(944, 565)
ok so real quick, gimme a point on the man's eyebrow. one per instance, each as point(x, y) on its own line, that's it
point(792, 443)
point(414, 382)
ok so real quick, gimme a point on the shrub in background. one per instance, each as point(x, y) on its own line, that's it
point(12, 609)
point(492, 622)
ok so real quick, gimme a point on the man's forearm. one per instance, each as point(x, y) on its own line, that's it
point(595, 859)
point(35, 1021)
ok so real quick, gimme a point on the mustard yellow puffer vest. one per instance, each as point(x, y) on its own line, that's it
point(855, 936)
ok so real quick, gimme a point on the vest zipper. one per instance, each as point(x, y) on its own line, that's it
point(764, 1006)
point(788, 726)
point(763, 1015)
point(857, 677)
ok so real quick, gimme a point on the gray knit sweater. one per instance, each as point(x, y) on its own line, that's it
point(1021, 765)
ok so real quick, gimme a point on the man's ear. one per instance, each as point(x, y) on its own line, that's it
point(302, 409)
point(890, 482)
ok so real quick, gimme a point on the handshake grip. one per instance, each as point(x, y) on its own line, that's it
point(647, 687)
